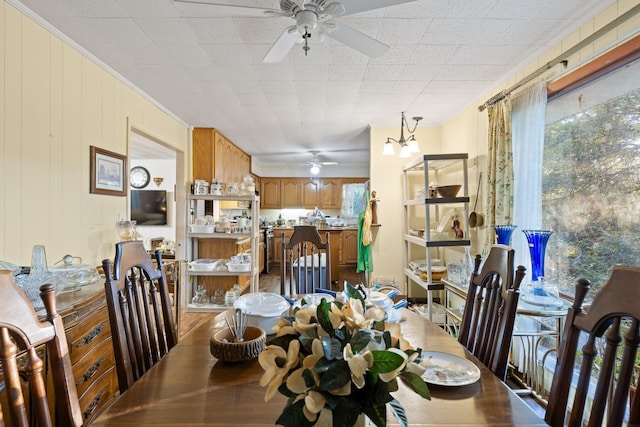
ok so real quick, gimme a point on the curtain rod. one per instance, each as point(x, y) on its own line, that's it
point(562, 58)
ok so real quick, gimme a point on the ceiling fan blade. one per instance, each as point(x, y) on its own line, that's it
point(217, 9)
point(357, 6)
point(328, 163)
point(283, 45)
point(357, 40)
point(333, 9)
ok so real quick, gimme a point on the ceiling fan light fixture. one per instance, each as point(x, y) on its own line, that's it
point(315, 169)
point(306, 21)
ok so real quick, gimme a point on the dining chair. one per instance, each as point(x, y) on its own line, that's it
point(609, 338)
point(489, 313)
point(22, 335)
point(140, 311)
point(306, 261)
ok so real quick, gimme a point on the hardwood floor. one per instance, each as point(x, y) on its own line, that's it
point(268, 283)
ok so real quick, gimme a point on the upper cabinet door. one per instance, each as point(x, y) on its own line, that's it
point(330, 193)
point(270, 193)
point(310, 193)
point(291, 193)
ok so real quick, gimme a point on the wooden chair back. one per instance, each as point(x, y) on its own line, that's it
point(608, 336)
point(21, 333)
point(489, 314)
point(140, 311)
point(306, 261)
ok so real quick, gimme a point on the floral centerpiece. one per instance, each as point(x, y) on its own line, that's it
point(335, 362)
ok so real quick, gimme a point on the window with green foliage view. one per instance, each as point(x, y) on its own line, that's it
point(591, 179)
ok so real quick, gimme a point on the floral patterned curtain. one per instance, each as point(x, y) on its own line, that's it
point(499, 169)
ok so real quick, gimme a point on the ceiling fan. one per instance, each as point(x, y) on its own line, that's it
point(315, 163)
point(310, 16)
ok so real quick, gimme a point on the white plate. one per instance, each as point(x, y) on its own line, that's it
point(447, 369)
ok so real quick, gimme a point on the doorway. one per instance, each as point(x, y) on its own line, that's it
point(161, 180)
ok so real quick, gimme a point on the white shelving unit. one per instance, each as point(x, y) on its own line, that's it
point(195, 206)
point(432, 167)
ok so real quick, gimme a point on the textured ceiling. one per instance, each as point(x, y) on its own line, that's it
point(208, 70)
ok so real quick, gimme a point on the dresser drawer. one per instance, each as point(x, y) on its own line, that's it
point(91, 367)
point(99, 394)
point(83, 337)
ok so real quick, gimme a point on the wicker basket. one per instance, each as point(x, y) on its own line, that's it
point(224, 348)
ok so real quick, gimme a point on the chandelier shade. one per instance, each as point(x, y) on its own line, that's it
point(408, 146)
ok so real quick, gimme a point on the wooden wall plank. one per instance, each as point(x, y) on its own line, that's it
point(12, 136)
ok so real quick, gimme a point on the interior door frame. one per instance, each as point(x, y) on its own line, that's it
point(180, 180)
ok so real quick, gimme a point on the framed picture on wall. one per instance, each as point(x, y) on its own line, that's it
point(108, 172)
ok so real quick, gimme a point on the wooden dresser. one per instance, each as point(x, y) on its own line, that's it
point(86, 321)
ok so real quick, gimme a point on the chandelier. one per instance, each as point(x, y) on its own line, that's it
point(407, 146)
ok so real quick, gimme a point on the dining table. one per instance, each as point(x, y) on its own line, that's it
point(191, 387)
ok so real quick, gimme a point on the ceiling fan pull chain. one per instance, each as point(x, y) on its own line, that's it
point(306, 47)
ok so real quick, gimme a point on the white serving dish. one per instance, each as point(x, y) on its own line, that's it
point(239, 267)
point(196, 228)
point(203, 264)
point(263, 309)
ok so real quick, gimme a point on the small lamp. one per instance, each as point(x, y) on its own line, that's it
point(158, 180)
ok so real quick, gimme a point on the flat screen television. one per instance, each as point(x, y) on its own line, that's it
point(149, 207)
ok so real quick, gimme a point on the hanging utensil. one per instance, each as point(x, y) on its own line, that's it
point(476, 219)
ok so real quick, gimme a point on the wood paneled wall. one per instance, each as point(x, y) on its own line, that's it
point(57, 103)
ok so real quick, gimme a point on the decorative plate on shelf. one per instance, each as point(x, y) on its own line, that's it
point(447, 369)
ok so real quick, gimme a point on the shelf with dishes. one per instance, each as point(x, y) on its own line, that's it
point(222, 254)
point(441, 212)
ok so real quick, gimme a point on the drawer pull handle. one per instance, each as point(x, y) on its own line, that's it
point(91, 335)
point(93, 369)
point(93, 405)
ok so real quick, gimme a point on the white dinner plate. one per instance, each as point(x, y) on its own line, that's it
point(447, 369)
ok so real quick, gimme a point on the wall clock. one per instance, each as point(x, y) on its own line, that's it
point(139, 177)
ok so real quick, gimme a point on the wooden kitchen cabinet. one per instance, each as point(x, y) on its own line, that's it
point(311, 193)
point(290, 192)
point(330, 193)
point(349, 247)
point(270, 193)
point(277, 242)
point(215, 156)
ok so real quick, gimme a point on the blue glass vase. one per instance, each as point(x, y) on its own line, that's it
point(537, 240)
point(503, 233)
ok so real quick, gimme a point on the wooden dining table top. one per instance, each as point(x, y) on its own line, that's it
point(191, 387)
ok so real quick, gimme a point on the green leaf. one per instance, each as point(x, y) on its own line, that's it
point(323, 364)
point(385, 361)
point(306, 339)
point(292, 416)
point(352, 292)
point(309, 379)
point(360, 340)
point(377, 414)
point(336, 376)
point(399, 412)
point(345, 412)
point(332, 348)
point(416, 382)
point(323, 316)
